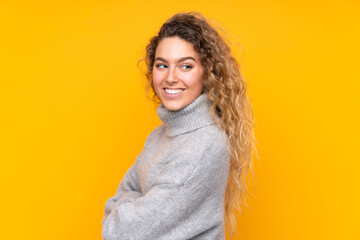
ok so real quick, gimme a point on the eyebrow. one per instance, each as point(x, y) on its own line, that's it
point(179, 60)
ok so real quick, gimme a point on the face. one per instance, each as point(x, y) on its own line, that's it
point(177, 73)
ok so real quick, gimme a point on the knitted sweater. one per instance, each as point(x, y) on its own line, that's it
point(175, 190)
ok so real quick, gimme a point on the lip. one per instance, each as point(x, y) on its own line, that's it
point(174, 95)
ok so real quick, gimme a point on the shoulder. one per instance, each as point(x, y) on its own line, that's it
point(203, 139)
point(215, 147)
point(201, 154)
point(156, 133)
point(213, 162)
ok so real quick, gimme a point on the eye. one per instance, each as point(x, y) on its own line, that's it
point(160, 65)
point(186, 66)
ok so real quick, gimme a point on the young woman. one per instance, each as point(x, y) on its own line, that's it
point(190, 175)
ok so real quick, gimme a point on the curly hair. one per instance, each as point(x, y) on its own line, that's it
point(226, 88)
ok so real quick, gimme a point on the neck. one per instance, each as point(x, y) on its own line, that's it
point(193, 116)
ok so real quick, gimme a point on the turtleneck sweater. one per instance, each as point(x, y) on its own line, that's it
point(175, 190)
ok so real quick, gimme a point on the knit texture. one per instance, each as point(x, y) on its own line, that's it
point(175, 190)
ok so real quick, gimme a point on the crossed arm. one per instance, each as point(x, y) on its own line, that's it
point(128, 191)
point(176, 205)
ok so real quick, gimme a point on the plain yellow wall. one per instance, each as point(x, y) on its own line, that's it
point(74, 115)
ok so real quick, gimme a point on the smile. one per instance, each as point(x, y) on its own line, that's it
point(174, 91)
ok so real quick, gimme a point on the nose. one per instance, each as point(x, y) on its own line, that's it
point(171, 76)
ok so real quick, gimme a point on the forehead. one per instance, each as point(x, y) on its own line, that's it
point(175, 47)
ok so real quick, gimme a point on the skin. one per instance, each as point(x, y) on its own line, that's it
point(177, 69)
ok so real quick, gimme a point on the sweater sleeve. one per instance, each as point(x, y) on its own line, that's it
point(129, 187)
point(128, 190)
point(182, 186)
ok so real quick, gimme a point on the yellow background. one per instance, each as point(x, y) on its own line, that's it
point(74, 115)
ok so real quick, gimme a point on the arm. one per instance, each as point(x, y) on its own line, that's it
point(129, 183)
point(128, 190)
point(177, 193)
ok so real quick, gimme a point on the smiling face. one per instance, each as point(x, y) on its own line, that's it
point(177, 73)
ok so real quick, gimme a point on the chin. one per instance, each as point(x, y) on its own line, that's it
point(173, 107)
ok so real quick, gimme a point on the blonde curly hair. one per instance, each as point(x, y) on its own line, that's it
point(226, 88)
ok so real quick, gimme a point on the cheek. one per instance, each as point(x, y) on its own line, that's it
point(196, 81)
point(156, 79)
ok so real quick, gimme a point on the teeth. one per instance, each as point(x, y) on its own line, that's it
point(173, 91)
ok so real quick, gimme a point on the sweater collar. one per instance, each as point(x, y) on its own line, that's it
point(193, 116)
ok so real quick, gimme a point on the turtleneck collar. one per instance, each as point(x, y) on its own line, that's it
point(193, 116)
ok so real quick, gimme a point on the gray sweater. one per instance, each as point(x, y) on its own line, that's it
point(175, 190)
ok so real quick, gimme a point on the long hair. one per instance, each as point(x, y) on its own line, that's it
point(226, 88)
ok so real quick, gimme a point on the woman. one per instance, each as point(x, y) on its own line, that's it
point(190, 175)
